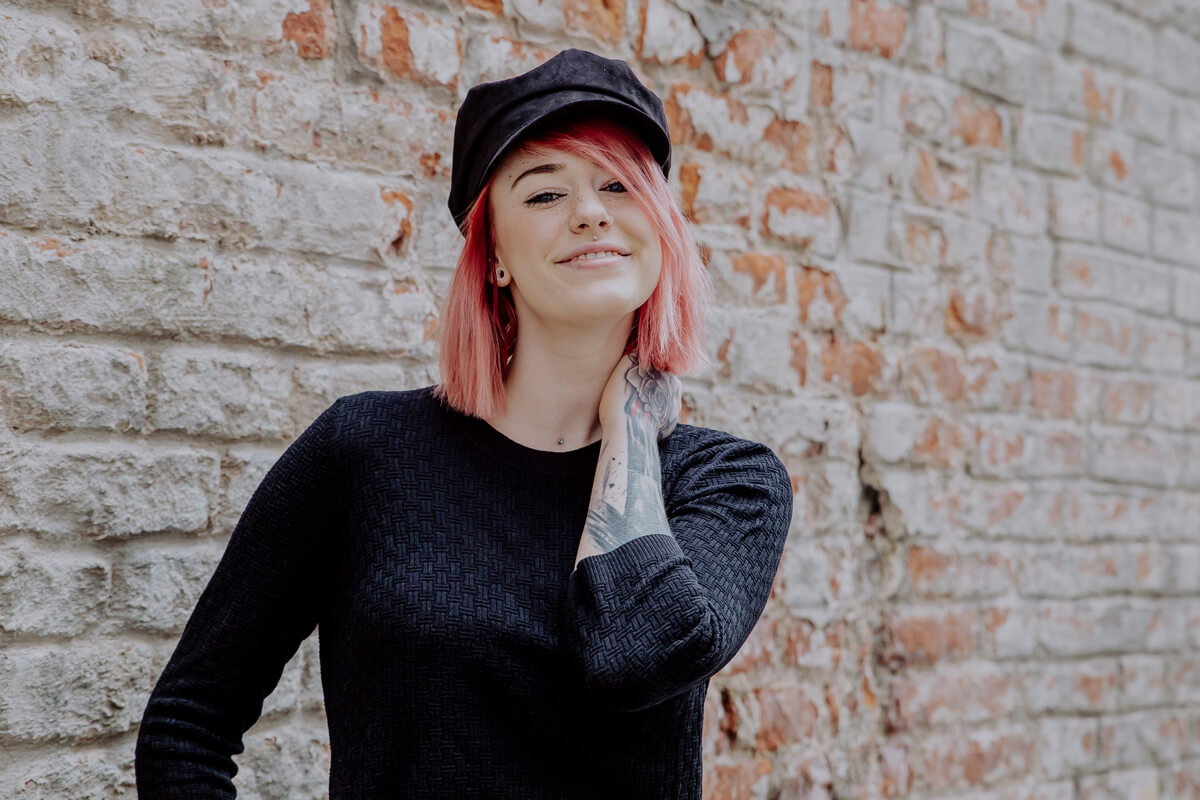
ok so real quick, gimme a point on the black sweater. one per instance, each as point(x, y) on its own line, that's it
point(461, 656)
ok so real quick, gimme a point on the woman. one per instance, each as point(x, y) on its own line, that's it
point(524, 577)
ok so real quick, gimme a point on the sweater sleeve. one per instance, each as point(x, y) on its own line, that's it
point(660, 614)
point(260, 604)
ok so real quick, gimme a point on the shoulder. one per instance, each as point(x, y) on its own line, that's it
point(368, 408)
point(701, 459)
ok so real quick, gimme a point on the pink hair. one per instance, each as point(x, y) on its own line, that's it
point(479, 323)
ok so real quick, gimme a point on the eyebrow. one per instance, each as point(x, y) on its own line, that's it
point(538, 170)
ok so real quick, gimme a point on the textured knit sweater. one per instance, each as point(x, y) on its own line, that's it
point(462, 652)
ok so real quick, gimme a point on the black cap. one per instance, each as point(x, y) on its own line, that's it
point(494, 116)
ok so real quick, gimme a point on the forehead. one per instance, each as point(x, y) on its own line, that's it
point(527, 155)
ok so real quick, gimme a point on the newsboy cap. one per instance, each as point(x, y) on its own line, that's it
point(495, 116)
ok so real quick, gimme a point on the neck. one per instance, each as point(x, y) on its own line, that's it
point(555, 381)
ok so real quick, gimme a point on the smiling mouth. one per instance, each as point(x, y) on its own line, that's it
point(594, 256)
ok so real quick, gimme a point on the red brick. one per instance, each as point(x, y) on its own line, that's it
point(819, 297)
point(977, 125)
point(940, 181)
point(787, 715)
point(763, 269)
point(973, 311)
point(932, 376)
point(384, 44)
point(737, 61)
point(918, 637)
point(312, 31)
point(974, 693)
point(974, 758)
point(876, 28)
point(604, 19)
point(820, 91)
point(738, 781)
point(803, 217)
point(860, 366)
point(939, 573)
point(793, 140)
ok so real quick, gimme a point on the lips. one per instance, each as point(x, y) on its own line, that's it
point(594, 251)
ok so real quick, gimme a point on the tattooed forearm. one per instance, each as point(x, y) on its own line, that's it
point(626, 499)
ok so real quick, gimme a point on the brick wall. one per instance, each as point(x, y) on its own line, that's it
point(957, 255)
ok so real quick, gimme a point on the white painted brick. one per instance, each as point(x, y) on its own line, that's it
point(1078, 88)
point(670, 35)
point(1074, 209)
point(1178, 57)
point(1167, 178)
point(1040, 325)
point(992, 62)
point(1095, 273)
point(1124, 223)
point(1176, 237)
point(52, 593)
point(1148, 458)
point(1029, 259)
point(155, 589)
point(1051, 143)
point(52, 386)
point(1146, 110)
point(1160, 346)
point(1095, 627)
point(1082, 686)
point(1187, 294)
point(1066, 746)
point(1012, 200)
point(59, 771)
point(760, 354)
point(1106, 35)
point(102, 491)
point(1186, 127)
point(84, 690)
point(230, 395)
point(285, 761)
point(1111, 159)
point(1143, 682)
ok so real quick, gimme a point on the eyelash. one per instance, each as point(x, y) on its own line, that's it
point(544, 198)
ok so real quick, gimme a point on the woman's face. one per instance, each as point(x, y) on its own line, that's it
point(577, 245)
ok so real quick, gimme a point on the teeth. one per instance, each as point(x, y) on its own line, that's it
point(600, 254)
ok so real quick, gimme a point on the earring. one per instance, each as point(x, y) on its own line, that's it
point(501, 276)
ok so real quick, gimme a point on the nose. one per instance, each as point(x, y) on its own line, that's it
point(589, 214)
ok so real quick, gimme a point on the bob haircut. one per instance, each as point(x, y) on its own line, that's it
point(479, 330)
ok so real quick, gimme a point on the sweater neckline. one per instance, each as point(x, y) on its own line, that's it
point(567, 462)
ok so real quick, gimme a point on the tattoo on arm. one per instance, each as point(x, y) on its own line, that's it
point(626, 499)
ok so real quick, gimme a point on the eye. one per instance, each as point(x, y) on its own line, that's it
point(542, 198)
point(616, 187)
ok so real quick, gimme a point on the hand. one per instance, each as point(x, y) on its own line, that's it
point(641, 394)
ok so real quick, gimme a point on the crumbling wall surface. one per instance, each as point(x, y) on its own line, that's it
point(956, 252)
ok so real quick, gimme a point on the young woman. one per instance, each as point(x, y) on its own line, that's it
point(523, 577)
